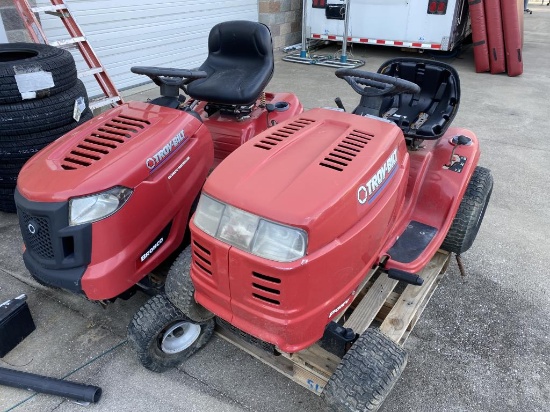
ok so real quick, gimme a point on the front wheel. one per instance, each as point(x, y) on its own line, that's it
point(163, 337)
point(366, 374)
point(181, 291)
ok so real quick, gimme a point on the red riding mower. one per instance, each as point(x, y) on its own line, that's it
point(105, 204)
point(290, 224)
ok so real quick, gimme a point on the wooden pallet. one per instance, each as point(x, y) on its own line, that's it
point(395, 310)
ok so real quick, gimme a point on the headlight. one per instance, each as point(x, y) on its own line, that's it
point(249, 232)
point(95, 207)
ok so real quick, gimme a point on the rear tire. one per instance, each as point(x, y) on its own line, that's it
point(18, 58)
point(23, 146)
point(37, 115)
point(163, 337)
point(181, 291)
point(366, 374)
point(470, 213)
point(7, 204)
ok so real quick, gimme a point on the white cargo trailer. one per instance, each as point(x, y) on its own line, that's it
point(421, 24)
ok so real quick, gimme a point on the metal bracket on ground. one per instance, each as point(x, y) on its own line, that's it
point(324, 60)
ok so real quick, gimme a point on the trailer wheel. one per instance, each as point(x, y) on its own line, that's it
point(366, 375)
point(470, 213)
point(163, 337)
point(180, 290)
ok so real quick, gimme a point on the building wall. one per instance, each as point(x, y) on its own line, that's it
point(284, 18)
point(15, 29)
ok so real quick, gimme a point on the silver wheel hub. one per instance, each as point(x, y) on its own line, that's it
point(179, 337)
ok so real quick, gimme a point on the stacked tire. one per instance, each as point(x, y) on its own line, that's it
point(39, 90)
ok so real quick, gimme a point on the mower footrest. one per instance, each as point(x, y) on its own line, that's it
point(406, 277)
point(412, 242)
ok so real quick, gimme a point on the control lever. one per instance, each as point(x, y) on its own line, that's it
point(459, 140)
point(339, 103)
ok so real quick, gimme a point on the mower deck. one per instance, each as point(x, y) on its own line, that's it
point(380, 302)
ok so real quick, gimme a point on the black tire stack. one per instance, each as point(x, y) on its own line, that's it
point(38, 90)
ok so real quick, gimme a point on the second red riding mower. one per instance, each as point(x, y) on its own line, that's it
point(290, 224)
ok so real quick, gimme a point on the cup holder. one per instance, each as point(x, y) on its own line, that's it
point(277, 107)
point(281, 106)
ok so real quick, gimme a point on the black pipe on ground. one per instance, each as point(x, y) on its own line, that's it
point(51, 386)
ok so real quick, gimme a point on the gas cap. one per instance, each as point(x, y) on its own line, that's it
point(461, 140)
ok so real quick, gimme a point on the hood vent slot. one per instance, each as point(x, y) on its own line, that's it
point(283, 133)
point(345, 151)
point(266, 288)
point(100, 142)
point(202, 258)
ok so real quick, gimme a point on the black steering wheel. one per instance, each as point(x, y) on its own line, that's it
point(371, 84)
point(169, 77)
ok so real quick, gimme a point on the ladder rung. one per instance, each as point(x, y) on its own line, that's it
point(90, 72)
point(68, 41)
point(48, 8)
point(94, 104)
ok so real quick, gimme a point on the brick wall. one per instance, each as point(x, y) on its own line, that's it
point(15, 29)
point(284, 18)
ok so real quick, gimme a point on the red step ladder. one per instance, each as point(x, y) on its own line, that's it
point(77, 37)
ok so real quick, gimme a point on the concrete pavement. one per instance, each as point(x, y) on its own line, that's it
point(481, 345)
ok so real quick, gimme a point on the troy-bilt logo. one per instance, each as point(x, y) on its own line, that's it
point(165, 152)
point(370, 190)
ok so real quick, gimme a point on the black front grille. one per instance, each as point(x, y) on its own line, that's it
point(56, 253)
point(36, 234)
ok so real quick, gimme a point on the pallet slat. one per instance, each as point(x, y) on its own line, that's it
point(370, 305)
point(299, 373)
point(402, 314)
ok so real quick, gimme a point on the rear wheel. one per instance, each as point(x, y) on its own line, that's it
point(181, 291)
point(163, 337)
point(366, 375)
point(470, 213)
point(39, 60)
point(39, 115)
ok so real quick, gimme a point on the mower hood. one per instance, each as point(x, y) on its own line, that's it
point(121, 147)
point(321, 171)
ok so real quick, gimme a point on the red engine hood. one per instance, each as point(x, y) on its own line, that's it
point(312, 171)
point(122, 146)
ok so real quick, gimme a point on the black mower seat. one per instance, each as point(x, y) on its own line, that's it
point(239, 64)
point(428, 114)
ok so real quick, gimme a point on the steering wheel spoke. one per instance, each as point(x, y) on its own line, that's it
point(168, 76)
point(371, 84)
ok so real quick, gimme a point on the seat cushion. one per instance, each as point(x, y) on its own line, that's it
point(239, 64)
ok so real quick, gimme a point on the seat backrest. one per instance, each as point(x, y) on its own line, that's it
point(239, 64)
point(429, 113)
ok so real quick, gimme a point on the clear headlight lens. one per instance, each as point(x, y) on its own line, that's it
point(249, 232)
point(95, 207)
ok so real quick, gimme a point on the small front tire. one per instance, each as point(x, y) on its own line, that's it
point(163, 337)
point(181, 291)
point(366, 374)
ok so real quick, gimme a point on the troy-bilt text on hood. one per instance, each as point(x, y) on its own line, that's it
point(373, 187)
point(154, 161)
